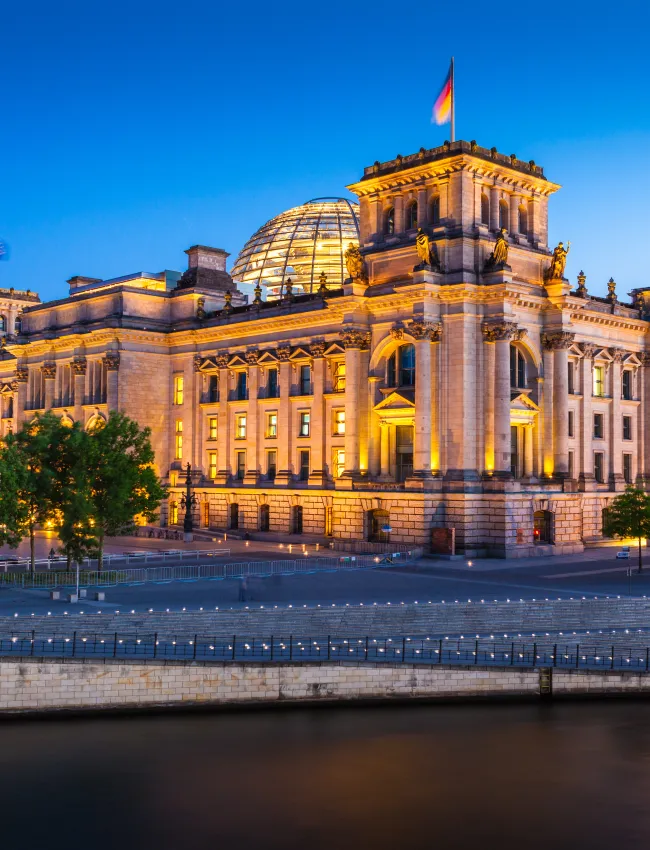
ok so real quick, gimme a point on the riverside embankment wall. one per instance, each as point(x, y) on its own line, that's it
point(36, 685)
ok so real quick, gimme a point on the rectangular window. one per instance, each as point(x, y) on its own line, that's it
point(599, 467)
point(240, 426)
point(242, 386)
point(272, 384)
point(173, 479)
point(570, 464)
point(305, 380)
point(303, 459)
point(599, 426)
point(179, 383)
point(627, 427)
point(173, 513)
point(179, 440)
point(304, 423)
point(212, 465)
point(338, 425)
point(206, 514)
point(338, 462)
point(571, 376)
point(571, 426)
point(599, 381)
point(626, 386)
point(213, 389)
point(627, 468)
point(240, 458)
point(517, 368)
point(213, 428)
point(339, 377)
point(271, 464)
point(272, 424)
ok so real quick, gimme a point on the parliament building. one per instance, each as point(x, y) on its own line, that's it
point(420, 370)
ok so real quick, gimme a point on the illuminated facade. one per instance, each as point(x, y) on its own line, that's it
point(457, 393)
point(299, 246)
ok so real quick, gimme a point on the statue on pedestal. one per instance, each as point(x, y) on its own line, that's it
point(426, 250)
point(499, 256)
point(611, 291)
point(354, 263)
point(558, 262)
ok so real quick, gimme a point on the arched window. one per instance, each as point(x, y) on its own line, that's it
point(435, 210)
point(485, 210)
point(542, 527)
point(265, 517)
point(378, 526)
point(296, 519)
point(389, 221)
point(412, 216)
point(233, 517)
point(517, 368)
point(3, 324)
point(18, 325)
point(400, 368)
point(523, 220)
point(503, 214)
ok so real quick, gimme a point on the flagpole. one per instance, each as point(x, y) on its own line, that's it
point(453, 103)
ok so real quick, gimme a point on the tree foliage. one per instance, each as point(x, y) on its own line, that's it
point(629, 516)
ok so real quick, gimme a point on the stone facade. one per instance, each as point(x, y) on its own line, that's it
point(459, 392)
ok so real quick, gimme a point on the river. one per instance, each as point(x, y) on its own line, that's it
point(564, 775)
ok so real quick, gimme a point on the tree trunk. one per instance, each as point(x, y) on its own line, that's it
point(640, 562)
point(32, 542)
point(100, 551)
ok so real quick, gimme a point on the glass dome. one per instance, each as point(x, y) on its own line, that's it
point(300, 244)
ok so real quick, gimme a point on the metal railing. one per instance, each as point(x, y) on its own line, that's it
point(110, 559)
point(195, 572)
point(327, 648)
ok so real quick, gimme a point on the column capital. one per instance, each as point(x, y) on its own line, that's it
point(317, 348)
point(588, 350)
point(221, 359)
point(618, 354)
point(251, 357)
point(49, 370)
point(283, 352)
point(112, 361)
point(558, 340)
point(494, 331)
point(198, 362)
point(644, 357)
point(355, 338)
point(22, 374)
point(431, 331)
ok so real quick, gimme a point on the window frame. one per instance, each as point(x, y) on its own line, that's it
point(304, 469)
point(213, 429)
point(271, 466)
point(627, 426)
point(304, 423)
point(179, 390)
point(241, 426)
point(240, 464)
point(213, 466)
point(337, 431)
point(271, 432)
point(598, 382)
point(599, 426)
point(411, 217)
point(600, 478)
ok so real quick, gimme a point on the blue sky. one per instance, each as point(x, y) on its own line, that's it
point(131, 131)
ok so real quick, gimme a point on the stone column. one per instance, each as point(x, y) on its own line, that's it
point(385, 450)
point(501, 334)
point(111, 361)
point(547, 413)
point(616, 480)
point(320, 427)
point(528, 451)
point(436, 402)
point(283, 475)
point(374, 444)
point(223, 420)
point(375, 218)
point(586, 475)
point(79, 366)
point(422, 207)
point(252, 462)
point(559, 343)
point(644, 417)
point(494, 208)
point(423, 333)
point(48, 370)
point(489, 400)
point(514, 200)
point(198, 438)
point(20, 395)
point(354, 341)
point(398, 203)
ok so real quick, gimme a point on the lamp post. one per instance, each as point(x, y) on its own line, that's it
point(188, 501)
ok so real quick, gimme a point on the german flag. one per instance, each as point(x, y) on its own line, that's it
point(442, 106)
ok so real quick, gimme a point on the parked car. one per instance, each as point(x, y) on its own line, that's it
point(624, 553)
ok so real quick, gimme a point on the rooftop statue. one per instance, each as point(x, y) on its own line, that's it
point(354, 263)
point(558, 262)
point(499, 256)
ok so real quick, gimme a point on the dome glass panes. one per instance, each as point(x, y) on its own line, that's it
point(300, 244)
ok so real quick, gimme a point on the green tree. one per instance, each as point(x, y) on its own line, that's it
point(14, 508)
point(122, 480)
point(38, 449)
point(629, 516)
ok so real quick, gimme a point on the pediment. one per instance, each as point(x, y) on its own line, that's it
point(6, 389)
point(237, 362)
point(632, 360)
point(207, 364)
point(267, 357)
point(397, 400)
point(521, 401)
point(300, 353)
point(334, 349)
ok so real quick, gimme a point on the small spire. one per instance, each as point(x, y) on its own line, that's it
point(322, 281)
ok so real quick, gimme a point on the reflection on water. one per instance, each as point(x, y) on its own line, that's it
point(524, 776)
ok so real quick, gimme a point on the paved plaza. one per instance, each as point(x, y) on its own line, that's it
point(594, 573)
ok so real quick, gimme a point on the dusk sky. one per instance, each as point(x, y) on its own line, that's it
point(131, 131)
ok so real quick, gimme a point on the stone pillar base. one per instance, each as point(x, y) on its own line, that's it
point(317, 478)
point(617, 483)
point(251, 477)
point(423, 480)
point(284, 476)
point(586, 482)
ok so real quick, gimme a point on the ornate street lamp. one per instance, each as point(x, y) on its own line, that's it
point(188, 502)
